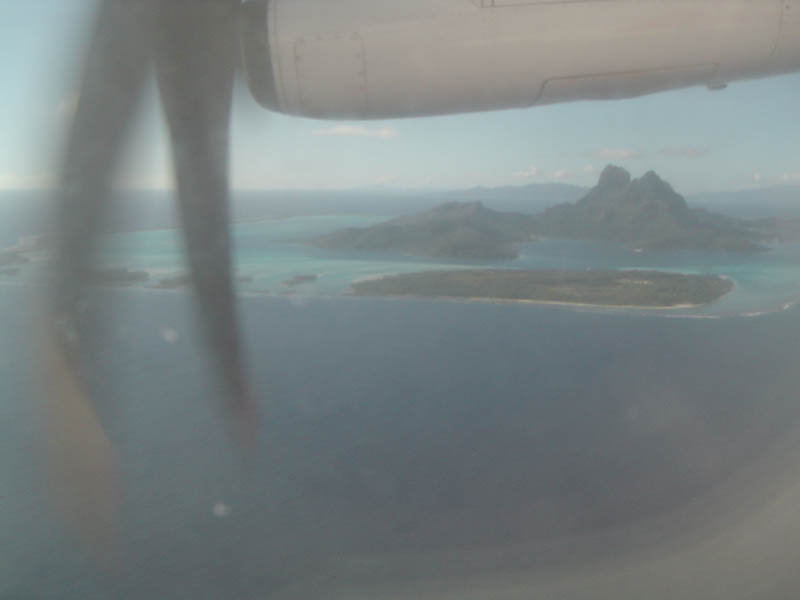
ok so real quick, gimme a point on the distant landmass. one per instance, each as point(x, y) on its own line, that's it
point(645, 289)
point(12, 257)
point(28, 212)
point(117, 276)
point(644, 213)
point(758, 203)
point(529, 199)
point(778, 230)
point(454, 230)
point(182, 280)
point(648, 214)
point(300, 279)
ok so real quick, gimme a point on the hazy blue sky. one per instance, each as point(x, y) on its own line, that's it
point(744, 136)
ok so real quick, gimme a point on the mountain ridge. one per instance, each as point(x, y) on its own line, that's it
point(453, 230)
point(644, 213)
point(647, 213)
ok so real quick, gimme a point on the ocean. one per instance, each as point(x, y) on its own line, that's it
point(417, 448)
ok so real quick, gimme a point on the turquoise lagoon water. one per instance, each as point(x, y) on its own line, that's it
point(267, 255)
point(415, 439)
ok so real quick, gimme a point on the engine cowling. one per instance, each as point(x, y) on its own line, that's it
point(366, 59)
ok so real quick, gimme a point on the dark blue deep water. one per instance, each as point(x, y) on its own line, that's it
point(390, 428)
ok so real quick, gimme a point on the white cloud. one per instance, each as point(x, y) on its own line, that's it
point(21, 181)
point(385, 179)
point(589, 169)
point(684, 151)
point(615, 154)
point(384, 133)
point(757, 177)
point(790, 178)
point(532, 172)
point(529, 172)
point(67, 106)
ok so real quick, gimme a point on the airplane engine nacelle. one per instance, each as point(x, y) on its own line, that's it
point(365, 59)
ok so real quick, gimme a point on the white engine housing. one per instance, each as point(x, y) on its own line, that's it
point(364, 59)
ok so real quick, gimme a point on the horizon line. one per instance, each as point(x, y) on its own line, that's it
point(400, 190)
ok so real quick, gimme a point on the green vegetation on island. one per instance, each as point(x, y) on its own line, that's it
point(645, 214)
point(646, 289)
point(172, 283)
point(300, 279)
point(118, 276)
point(778, 230)
point(11, 257)
point(454, 230)
point(183, 280)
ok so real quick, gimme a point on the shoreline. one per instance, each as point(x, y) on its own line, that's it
point(554, 303)
point(270, 294)
point(348, 295)
point(351, 292)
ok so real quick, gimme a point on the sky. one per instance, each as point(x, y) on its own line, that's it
point(742, 137)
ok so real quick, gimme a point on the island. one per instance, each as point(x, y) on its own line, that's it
point(607, 288)
point(121, 276)
point(300, 279)
point(12, 257)
point(644, 214)
point(184, 280)
point(453, 231)
point(172, 283)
